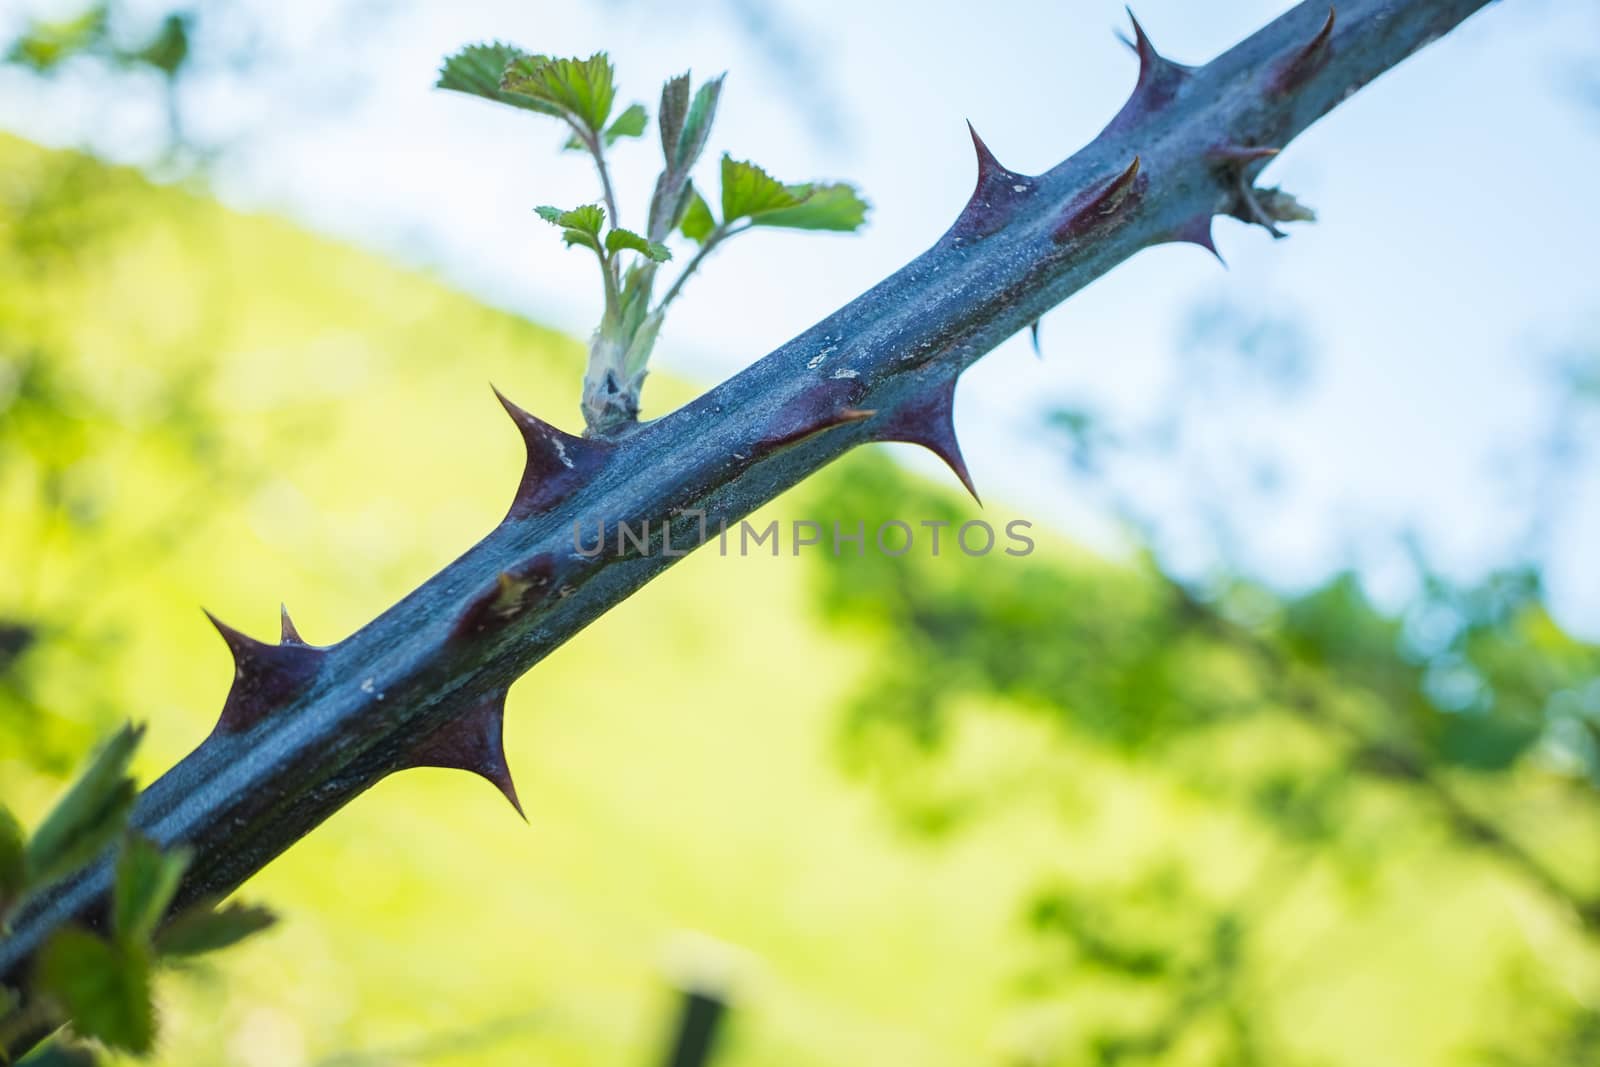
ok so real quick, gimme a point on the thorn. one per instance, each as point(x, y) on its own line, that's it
point(265, 677)
point(289, 635)
point(1303, 64)
point(827, 404)
point(1159, 77)
point(1197, 231)
point(929, 421)
point(473, 741)
point(557, 462)
point(1241, 154)
point(995, 196)
point(1094, 207)
point(1033, 333)
point(508, 597)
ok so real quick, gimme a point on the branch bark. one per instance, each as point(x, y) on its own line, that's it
point(305, 729)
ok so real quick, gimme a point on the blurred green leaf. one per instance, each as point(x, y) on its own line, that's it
point(13, 861)
point(90, 816)
point(631, 123)
point(46, 44)
point(169, 48)
point(105, 988)
point(617, 240)
point(477, 70)
point(1485, 742)
point(697, 222)
point(581, 90)
point(147, 879)
point(205, 928)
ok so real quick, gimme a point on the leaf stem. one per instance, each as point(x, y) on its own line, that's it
point(592, 142)
point(721, 233)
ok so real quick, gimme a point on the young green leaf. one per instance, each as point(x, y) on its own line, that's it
point(631, 123)
point(477, 70)
point(748, 191)
point(89, 816)
point(205, 928)
point(147, 879)
point(674, 109)
point(617, 240)
point(580, 90)
point(696, 129)
point(820, 207)
point(13, 865)
point(697, 222)
point(588, 218)
point(105, 988)
point(580, 226)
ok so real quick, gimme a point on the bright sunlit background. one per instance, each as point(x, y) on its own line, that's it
point(1283, 750)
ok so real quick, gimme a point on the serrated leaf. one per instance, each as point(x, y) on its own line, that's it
point(579, 237)
point(587, 218)
point(697, 222)
point(13, 862)
point(750, 192)
point(147, 879)
point(697, 125)
point(582, 90)
point(91, 814)
point(204, 928)
point(477, 70)
point(821, 207)
point(617, 240)
point(103, 987)
point(747, 191)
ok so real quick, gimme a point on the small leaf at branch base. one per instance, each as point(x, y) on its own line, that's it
point(631, 123)
point(205, 928)
point(147, 879)
point(105, 988)
point(90, 816)
point(697, 222)
point(617, 240)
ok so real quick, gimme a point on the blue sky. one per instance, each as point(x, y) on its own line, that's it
point(1454, 260)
